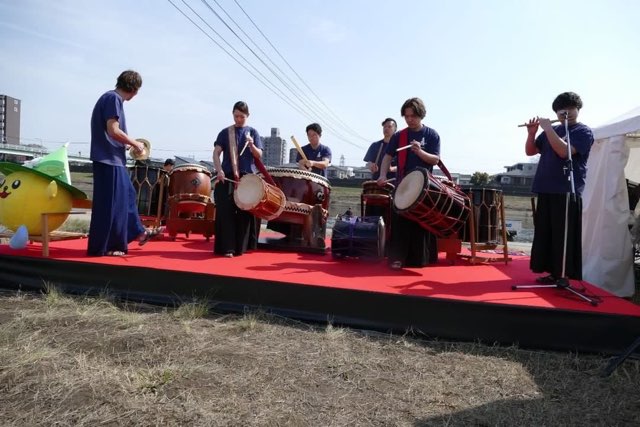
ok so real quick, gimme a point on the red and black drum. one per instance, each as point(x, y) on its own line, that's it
point(301, 186)
point(150, 184)
point(358, 237)
point(434, 203)
point(190, 186)
point(486, 205)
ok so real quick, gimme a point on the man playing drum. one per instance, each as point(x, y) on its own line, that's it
point(377, 150)
point(318, 155)
point(236, 230)
point(410, 244)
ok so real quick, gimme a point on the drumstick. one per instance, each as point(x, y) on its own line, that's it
point(231, 180)
point(404, 148)
point(304, 157)
point(246, 144)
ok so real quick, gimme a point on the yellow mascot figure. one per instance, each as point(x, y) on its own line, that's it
point(26, 193)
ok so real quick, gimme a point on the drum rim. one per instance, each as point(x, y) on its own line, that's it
point(424, 173)
point(288, 172)
point(186, 166)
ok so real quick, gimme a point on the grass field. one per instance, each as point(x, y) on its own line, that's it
point(96, 361)
point(87, 362)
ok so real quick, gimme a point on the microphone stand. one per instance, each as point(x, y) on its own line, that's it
point(563, 281)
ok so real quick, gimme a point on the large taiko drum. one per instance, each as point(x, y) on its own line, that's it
point(190, 185)
point(437, 205)
point(257, 196)
point(150, 185)
point(486, 203)
point(300, 186)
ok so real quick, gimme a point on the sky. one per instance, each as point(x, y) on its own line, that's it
point(481, 67)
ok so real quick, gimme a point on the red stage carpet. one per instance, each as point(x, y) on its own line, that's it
point(488, 283)
point(313, 286)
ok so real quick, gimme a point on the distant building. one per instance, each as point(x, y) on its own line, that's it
point(362, 173)
point(340, 172)
point(9, 120)
point(293, 153)
point(274, 149)
point(518, 175)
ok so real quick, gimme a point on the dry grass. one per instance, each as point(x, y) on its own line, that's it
point(80, 361)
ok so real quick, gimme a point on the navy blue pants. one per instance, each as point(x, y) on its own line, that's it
point(547, 250)
point(114, 216)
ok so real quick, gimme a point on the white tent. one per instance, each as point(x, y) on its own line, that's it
point(607, 250)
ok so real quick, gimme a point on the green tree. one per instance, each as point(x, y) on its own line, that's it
point(480, 178)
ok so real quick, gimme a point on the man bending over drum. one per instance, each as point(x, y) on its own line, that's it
point(376, 151)
point(318, 155)
point(236, 229)
point(411, 245)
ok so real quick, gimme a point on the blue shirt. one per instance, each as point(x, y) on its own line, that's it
point(429, 142)
point(317, 155)
point(550, 175)
point(105, 149)
point(246, 160)
point(372, 153)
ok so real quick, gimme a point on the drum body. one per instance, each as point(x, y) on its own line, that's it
point(190, 184)
point(361, 237)
point(150, 184)
point(437, 205)
point(300, 186)
point(486, 203)
point(262, 199)
point(375, 200)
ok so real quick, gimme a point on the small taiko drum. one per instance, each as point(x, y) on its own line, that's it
point(376, 200)
point(190, 185)
point(257, 196)
point(437, 205)
point(361, 237)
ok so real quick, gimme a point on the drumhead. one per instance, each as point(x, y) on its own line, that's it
point(249, 193)
point(299, 174)
point(409, 190)
point(189, 167)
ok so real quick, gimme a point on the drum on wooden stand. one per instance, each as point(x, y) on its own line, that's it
point(191, 209)
point(257, 196)
point(304, 218)
point(150, 184)
point(434, 203)
point(190, 187)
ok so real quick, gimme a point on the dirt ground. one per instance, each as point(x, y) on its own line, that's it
point(79, 361)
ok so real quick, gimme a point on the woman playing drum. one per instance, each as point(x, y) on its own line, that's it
point(236, 230)
point(410, 244)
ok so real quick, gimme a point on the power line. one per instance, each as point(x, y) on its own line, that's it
point(329, 126)
point(274, 89)
point(264, 80)
point(296, 73)
point(316, 109)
